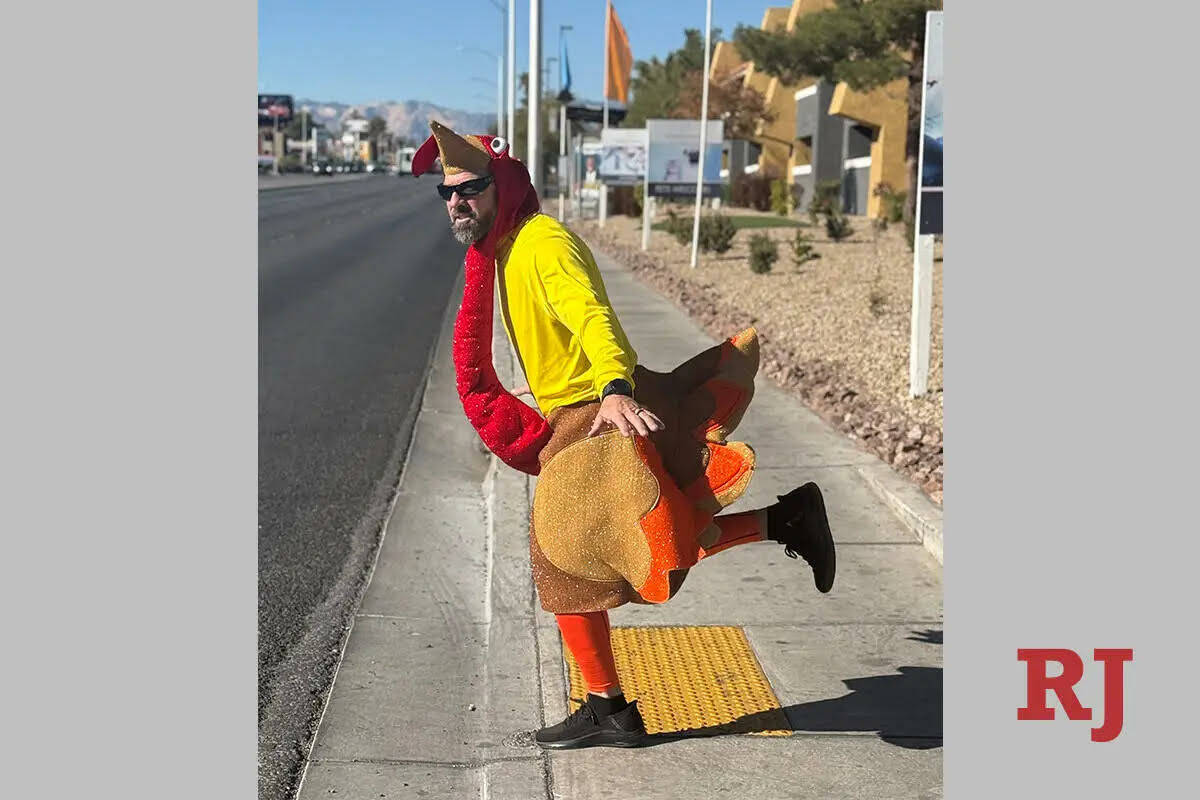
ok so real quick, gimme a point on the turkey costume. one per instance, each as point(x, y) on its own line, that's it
point(615, 518)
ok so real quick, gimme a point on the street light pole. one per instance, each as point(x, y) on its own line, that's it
point(563, 183)
point(500, 70)
point(534, 159)
point(511, 83)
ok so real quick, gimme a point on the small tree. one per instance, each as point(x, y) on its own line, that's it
point(802, 249)
point(763, 253)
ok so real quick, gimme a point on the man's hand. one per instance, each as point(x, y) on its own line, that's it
point(627, 415)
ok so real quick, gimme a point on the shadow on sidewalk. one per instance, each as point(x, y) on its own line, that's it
point(904, 709)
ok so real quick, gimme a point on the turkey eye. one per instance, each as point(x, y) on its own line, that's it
point(499, 145)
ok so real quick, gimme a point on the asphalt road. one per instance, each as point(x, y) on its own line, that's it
point(354, 280)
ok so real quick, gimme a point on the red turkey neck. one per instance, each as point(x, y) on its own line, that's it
point(510, 428)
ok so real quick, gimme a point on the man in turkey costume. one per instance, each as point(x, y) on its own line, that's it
point(633, 465)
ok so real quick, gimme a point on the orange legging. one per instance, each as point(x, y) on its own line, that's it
point(589, 636)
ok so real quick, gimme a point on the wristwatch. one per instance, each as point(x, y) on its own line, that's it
point(617, 386)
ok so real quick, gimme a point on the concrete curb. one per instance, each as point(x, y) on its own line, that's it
point(914, 509)
point(411, 420)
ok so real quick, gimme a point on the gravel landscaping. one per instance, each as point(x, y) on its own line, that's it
point(834, 331)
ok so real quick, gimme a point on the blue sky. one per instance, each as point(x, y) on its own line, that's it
point(359, 52)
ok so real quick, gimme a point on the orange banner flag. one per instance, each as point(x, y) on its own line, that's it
point(620, 59)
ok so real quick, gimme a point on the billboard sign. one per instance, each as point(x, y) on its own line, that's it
point(674, 157)
point(274, 108)
point(356, 125)
point(929, 199)
point(623, 156)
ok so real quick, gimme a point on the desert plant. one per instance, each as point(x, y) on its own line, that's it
point(716, 233)
point(763, 253)
point(877, 301)
point(893, 202)
point(827, 197)
point(781, 197)
point(751, 191)
point(802, 249)
point(679, 227)
point(837, 227)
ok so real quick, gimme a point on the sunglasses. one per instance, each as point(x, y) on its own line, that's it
point(466, 188)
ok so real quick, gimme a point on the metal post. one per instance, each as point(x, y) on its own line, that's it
point(604, 126)
point(304, 138)
point(562, 159)
point(500, 94)
point(512, 73)
point(922, 307)
point(647, 201)
point(534, 159)
point(703, 132)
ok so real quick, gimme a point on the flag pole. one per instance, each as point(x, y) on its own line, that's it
point(703, 131)
point(604, 126)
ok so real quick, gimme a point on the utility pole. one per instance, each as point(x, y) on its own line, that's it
point(703, 131)
point(534, 159)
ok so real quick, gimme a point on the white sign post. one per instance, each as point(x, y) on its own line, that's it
point(928, 214)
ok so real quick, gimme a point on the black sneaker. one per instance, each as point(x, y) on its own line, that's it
point(585, 728)
point(799, 522)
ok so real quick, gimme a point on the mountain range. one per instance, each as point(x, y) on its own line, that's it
point(408, 119)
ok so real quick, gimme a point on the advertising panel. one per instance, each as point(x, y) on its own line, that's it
point(674, 157)
point(623, 156)
point(929, 200)
point(273, 108)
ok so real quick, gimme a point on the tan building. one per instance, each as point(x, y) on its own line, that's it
point(822, 132)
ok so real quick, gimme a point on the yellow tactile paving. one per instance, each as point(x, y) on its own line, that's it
point(699, 680)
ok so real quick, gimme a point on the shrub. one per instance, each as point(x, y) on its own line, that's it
point(716, 233)
point(751, 191)
point(763, 253)
point(679, 227)
point(837, 227)
point(290, 163)
point(893, 202)
point(802, 249)
point(638, 199)
point(781, 197)
point(827, 198)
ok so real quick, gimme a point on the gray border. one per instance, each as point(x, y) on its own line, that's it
point(130, 373)
point(1070, 435)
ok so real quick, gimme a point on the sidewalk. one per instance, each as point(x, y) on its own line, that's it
point(451, 662)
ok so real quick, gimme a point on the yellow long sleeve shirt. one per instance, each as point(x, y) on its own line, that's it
point(558, 316)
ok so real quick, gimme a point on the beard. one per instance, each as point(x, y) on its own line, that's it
point(467, 227)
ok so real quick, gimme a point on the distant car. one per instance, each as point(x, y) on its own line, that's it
point(322, 168)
